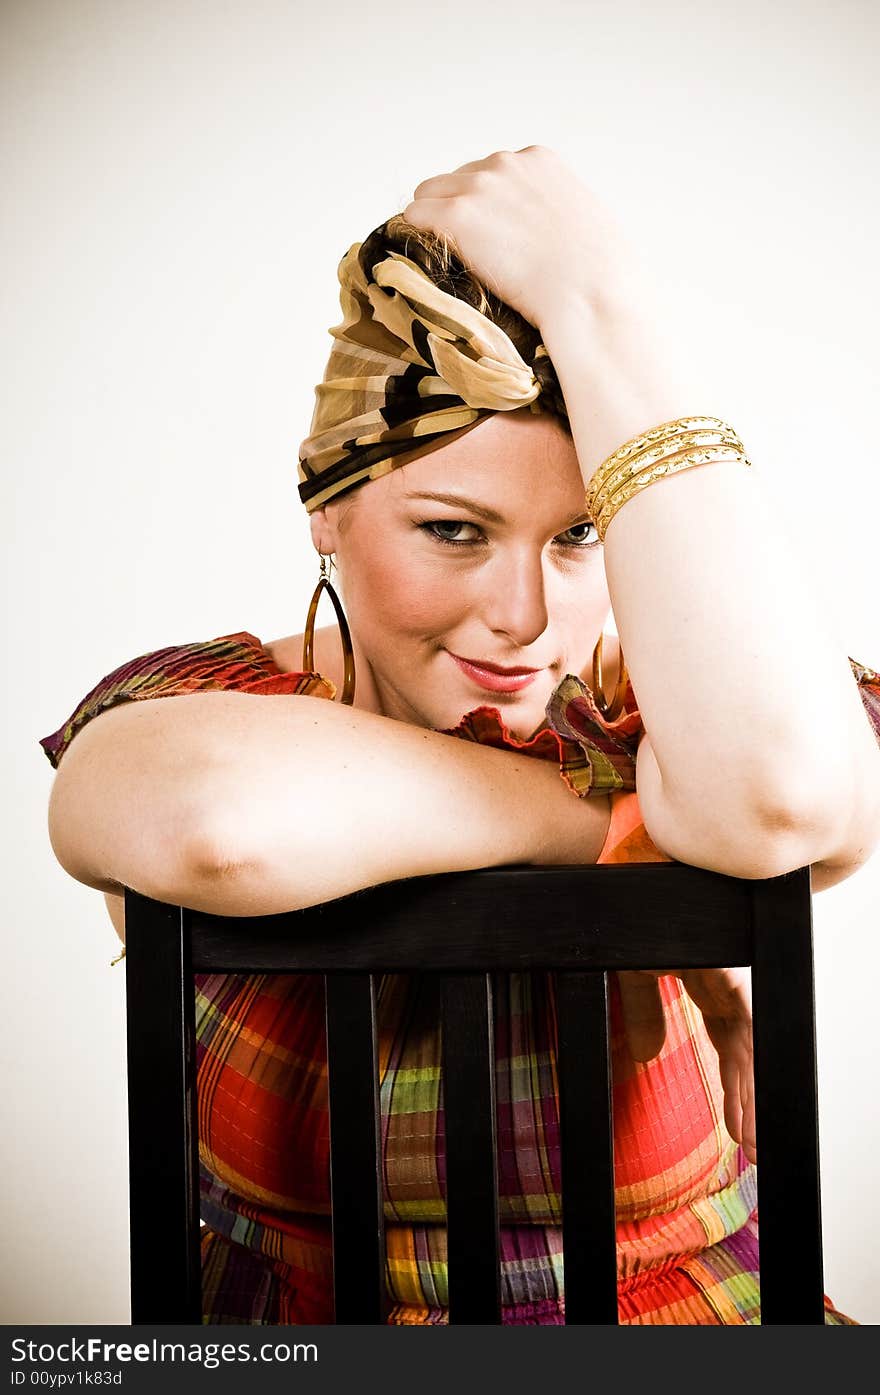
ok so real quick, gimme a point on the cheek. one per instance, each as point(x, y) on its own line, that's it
point(577, 614)
point(401, 593)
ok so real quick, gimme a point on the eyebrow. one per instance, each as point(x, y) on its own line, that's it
point(482, 510)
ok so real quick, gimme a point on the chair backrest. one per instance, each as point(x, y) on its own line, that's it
point(580, 922)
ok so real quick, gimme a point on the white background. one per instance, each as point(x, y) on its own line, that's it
point(180, 181)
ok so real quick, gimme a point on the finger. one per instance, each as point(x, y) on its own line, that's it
point(739, 1114)
point(749, 1135)
point(643, 1018)
point(456, 181)
point(439, 216)
point(442, 186)
point(733, 1111)
point(736, 1068)
point(747, 1092)
point(439, 212)
point(729, 1072)
point(497, 157)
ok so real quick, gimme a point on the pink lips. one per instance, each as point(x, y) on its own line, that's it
point(496, 679)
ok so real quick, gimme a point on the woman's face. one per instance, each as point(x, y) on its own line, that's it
point(423, 580)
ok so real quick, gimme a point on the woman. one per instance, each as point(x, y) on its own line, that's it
point(481, 466)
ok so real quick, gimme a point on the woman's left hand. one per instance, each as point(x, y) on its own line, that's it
point(724, 997)
point(527, 227)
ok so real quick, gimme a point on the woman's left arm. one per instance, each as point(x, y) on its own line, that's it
point(741, 769)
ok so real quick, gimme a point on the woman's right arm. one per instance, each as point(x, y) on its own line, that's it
point(253, 804)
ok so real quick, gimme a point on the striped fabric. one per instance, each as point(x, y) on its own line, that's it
point(410, 363)
point(685, 1192)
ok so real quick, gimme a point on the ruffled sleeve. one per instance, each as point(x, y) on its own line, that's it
point(609, 748)
point(235, 662)
point(594, 756)
point(869, 691)
point(486, 726)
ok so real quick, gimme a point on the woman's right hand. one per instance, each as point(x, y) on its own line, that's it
point(569, 830)
point(529, 228)
point(724, 997)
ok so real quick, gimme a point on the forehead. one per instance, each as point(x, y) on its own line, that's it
point(503, 449)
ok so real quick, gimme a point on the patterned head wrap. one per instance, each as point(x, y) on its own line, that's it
point(410, 362)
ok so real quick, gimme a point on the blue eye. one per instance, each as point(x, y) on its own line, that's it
point(448, 523)
point(431, 527)
point(584, 541)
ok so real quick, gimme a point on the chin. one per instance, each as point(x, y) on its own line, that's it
point(519, 716)
point(445, 696)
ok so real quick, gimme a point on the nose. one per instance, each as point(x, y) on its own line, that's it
point(516, 600)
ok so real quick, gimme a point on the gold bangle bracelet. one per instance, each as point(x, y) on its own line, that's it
point(665, 431)
point(659, 439)
point(684, 460)
point(624, 472)
point(664, 449)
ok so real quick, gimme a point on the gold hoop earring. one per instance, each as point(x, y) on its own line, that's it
point(610, 710)
point(308, 661)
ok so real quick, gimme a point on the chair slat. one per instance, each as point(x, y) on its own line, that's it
point(649, 915)
point(589, 1236)
point(784, 1029)
point(472, 1238)
point(356, 1190)
point(163, 1156)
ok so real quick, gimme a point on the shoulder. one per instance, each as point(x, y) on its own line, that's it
point(287, 654)
point(232, 662)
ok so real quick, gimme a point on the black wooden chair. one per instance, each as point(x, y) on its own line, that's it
point(581, 922)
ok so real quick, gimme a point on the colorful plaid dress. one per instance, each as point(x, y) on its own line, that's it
point(685, 1193)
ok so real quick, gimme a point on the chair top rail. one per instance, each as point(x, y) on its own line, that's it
point(513, 918)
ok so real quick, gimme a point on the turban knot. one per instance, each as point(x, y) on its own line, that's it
point(408, 363)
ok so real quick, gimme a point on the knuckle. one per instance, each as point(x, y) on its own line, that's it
point(415, 213)
point(543, 152)
point(462, 210)
point(484, 179)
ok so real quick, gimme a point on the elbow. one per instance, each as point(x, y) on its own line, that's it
point(757, 857)
point(786, 824)
point(211, 855)
point(718, 828)
point(748, 843)
point(223, 879)
point(772, 842)
point(217, 879)
point(839, 831)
